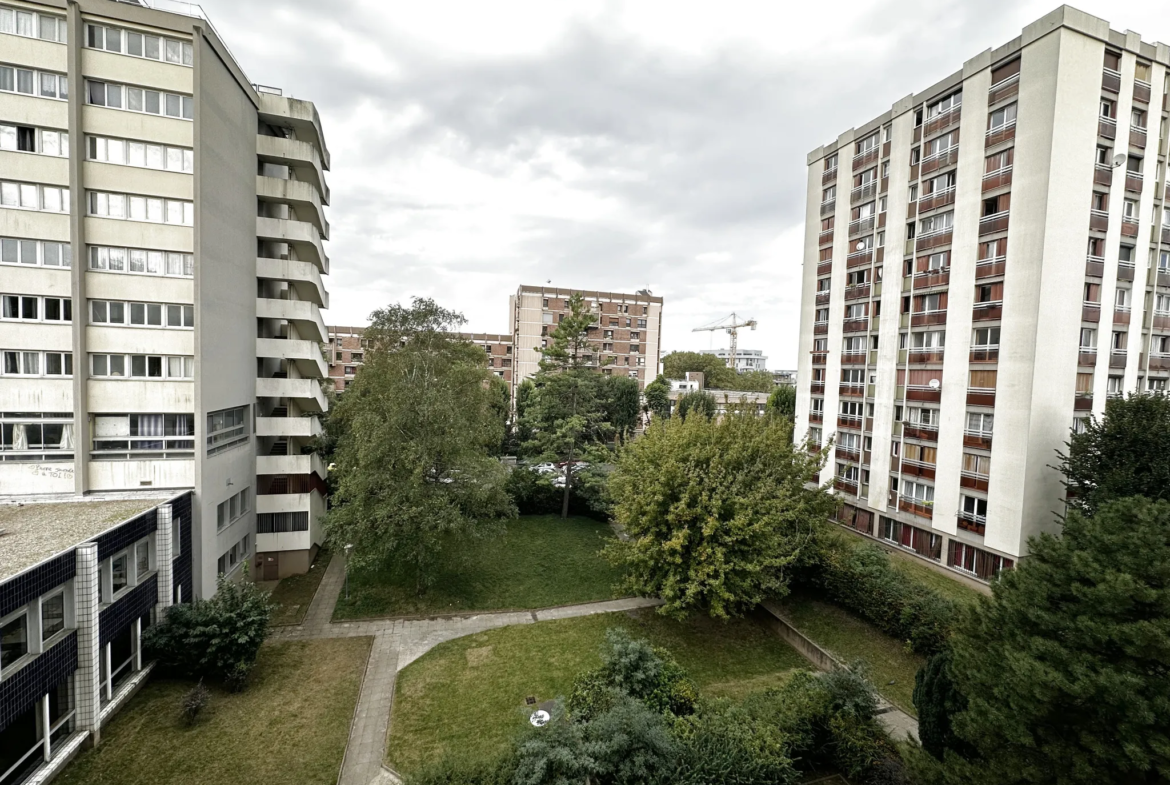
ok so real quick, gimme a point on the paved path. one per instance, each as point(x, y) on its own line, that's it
point(397, 643)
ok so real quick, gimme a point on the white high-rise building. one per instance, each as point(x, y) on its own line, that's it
point(745, 359)
point(985, 265)
point(161, 270)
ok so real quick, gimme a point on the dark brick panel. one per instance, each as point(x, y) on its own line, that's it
point(27, 586)
point(181, 574)
point(137, 602)
point(127, 534)
point(32, 681)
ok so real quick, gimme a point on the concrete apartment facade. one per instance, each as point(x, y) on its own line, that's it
point(161, 252)
point(745, 359)
point(347, 350)
point(984, 266)
point(629, 330)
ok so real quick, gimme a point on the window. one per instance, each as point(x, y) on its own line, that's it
point(1088, 339)
point(1137, 118)
point(824, 284)
point(853, 345)
point(1108, 109)
point(831, 163)
point(983, 564)
point(820, 345)
point(927, 341)
point(35, 252)
point(20, 21)
point(829, 194)
point(36, 309)
point(985, 337)
point(977, 465)
point(138, 99)
point(1122, 300)
point(1142, 72)
point(141, 560)
point(125, 435)
point(856, 311)
point(37, 436)
point(852, 409)
point(139, 261)
point(918, 492)
point(26, 139)
point(146, 155)
point(981, 380)
point(141, 208)
point(1104, 156)
point(999, 162)
point(13, 640)
point(281, 522)
point(42, 84)
point(233, 509)
point(1119, 341)
point(142, 366)
point(1114, 385)
point(234, 555)
point(974, 509)
point(119, 572)
point(31, 196)
point(942, 144)
point(952, 101)
point(22, 363)
point(136, 44)
point(167, 315)
point(226, 428)
point(935, 224)
point(1001, 118)
point(979, 423)
point(52, 615)
point(920, 453)
point(868, 143)
point(923, 418)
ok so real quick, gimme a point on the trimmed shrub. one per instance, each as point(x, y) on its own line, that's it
point(217, 638)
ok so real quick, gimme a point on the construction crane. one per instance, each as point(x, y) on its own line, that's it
point(730, 325)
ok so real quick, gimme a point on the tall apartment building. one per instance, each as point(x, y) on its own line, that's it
point(745, 359)
point(1020, 206)
point(347, 350)
point(161, 275)
point(629, 330)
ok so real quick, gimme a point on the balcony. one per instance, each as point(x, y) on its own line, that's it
point(1121, 314)
point(829, 176)
point(1000, 178)
point(1095, 266)
point(294, 113)
point(845, 454)
point(822, 298)
point(1090, 312)
point(863, 192)
point(825, 237)
point(1004, 89)
point(969, 521)
point(972, 480)
point(845, 486)
point(825, 267)
point(859, 258)
point(847, 390)
point(305, 354)
point(304, 277)
point(300, 196)
point(1001, 134)
point(863, 159)
point(855, 325)
point(1117, 358)
point(1103, 174)
point(305, 315)
point(857, 291)
point(301, 235)
point(926, 433)
point(820, 328)
point(1111, 81)
point(828, 207)
point(929, 242)
point(1134, 182)
point(941, 198)
point(918, 469)
point(1159, 362)
point(980, 396)
point(1099, 220)
point(1137, 137)
point(916, 392)
point(928, 317)
point(307, 393)
point(853, 358)
point(1106, 127)
point(291, 464)
point(990, 224)
point(820, 358)
point(1125, 269)
point(1141, 91)
point(927, 279)
point(301, 157)
point(860, 226)
point(919, 356)
point(939, 160)
point(942, 121)
point(1083, 402)
point(922, 509)
point(990, 268)
point(984, 354)
point(1087, 356)
point(288, 427)
point(817, 388)
point(978, 439)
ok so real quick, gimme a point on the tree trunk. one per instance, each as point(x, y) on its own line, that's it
point(568, 481)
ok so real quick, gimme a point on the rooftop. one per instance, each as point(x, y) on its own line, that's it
point(34, 531)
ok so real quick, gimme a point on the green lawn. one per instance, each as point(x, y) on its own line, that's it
point(293, 594)
point(948, 587)
point(467, 696)
point(539, 562)
point(289, 726)
point(851, 639)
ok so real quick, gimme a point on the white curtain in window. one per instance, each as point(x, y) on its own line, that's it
point(183, 426)
point(20, 436)
point(66, 437)
point(150, 425)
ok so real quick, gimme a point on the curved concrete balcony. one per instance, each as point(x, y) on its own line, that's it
point(284, 427)
point(299, 195)
point(301, 235)
point(305, 354)
point(291, 464)
point(303, 313)
point(299, 115)
point(304, 277)
point(306, 392)
point(302, 157)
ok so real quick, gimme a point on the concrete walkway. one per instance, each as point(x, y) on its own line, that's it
point(397, 643)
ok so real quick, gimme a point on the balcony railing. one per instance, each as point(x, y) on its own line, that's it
point(849, 421)
point(851, 390)
point(1004, 89)
point(998, 179)
point(1137, 137)
point(981, 396)
point(1090, 312)
point(915, 392)
point(848, 454)
point(845, 485)
point(820, 328)
point(1134, 181)
point(990, 224)
point(825, 267)
point(1001, 134)
point(1117, 358)
point(922, 355)
point(969, 521)
point(825, 237)
point(973, 480)
point(856, 325)
point(820, 358)
point(1141, 91)
point(828, 207)
point(1095, 266)
point(928, 317)
point(1099, 220)
point(816, 387)
point(989, 268)
point(940, 198)
point(977, 439)
point(828, 176)
point(865, 157)
point(857, 291)
point(853, 358)
point(984, 354)
point(1083, 402)
point(924, 279)
point(859, 258)
point(1111, 80)
point(1087, 356)
point(943, 120)
point(1125, 269)
point(1107, 127)
point(919, 507)
point(861, 226)
point(982, 312)
point(863, 192)
point(1103, 174)
point(932, 163)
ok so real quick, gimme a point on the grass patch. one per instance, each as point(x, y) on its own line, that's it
point(466, 696)
point(947, 587)
point(851, 638)
point(539, 562)
point(289, 726)
point(293, 594)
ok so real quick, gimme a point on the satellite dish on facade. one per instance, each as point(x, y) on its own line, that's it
point(1119, 159)
point(935, 384)
point(860, 245)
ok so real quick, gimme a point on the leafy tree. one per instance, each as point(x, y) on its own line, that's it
point(1064, 668)
point(1122, 454)
point(215, 638)
point(621, 402)
point(657, 395)
point(715, 372)
point(716, 511)
point(565, 412)
point(753, 381)
point(937, 700)
point(696, 401)
point(416, 471)
point(637, 669)
point(782, 402)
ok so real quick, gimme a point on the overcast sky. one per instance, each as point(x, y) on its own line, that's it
point(601, 145)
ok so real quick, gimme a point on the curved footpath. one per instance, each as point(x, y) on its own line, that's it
point(397, 643)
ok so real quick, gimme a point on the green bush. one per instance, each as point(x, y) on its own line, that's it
point(452, 770)
point(635, 668)
point(217, 638)
point(725, 743)
point(534, 494)
point(861, 578)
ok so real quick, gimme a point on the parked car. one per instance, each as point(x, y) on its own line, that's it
point(546, 468)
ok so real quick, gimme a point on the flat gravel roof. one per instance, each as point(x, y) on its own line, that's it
point(33, 532)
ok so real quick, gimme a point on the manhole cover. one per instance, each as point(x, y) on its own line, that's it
point(530, 701)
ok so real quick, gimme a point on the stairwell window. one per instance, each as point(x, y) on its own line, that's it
point(233, 509)
point(227, 428)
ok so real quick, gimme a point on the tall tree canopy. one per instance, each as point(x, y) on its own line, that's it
point(621, 401)
point(782, 401)
point(1066, 668)
point(716, 511)
point(1121, 454)
point(715, 372)
point(421, 422)
point(657, 395)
